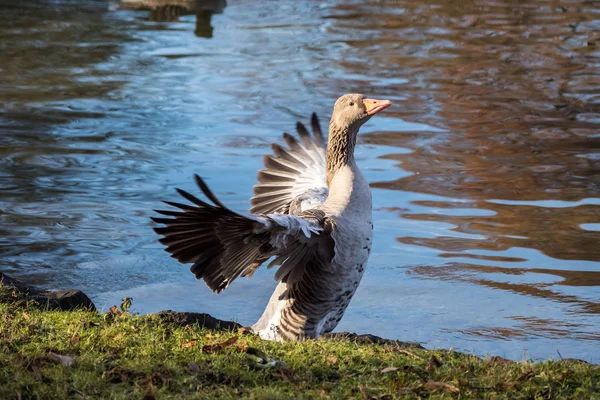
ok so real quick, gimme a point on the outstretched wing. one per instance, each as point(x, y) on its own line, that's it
point(294, 179)
point(223, 244)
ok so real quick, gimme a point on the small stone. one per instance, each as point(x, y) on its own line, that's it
point(65, 300)
point(68, 300)
point(66, 361)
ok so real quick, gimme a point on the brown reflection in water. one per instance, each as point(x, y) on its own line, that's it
point(547, 328)
point(42, 55)
point(476, 274)
point(516, 86)
point(526, 168)
point(516, 90)
point(553, 231)
point(482, 257)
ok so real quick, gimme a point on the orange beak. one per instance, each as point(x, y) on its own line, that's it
point(373, 106)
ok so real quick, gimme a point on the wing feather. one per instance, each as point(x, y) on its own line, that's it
point(285, 154)
point(223, 245)
point(316, 128)
point(294, 178)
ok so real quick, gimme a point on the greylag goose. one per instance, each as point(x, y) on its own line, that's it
point(311, 214)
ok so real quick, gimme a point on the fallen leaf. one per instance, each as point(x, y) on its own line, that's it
point(218, 346)
point(439, 386)
point(242, 347)
point(331, 359)
point(66, 361)
point(433, 364)
point(75, 339)
point(114, 310)
point(245, 330)
point(389, 369)
point(25, 315)
point(193, 367)
point(187, 345)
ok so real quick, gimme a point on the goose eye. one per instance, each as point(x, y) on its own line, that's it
point(351, 103)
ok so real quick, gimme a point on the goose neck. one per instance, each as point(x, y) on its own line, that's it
point(340, 149)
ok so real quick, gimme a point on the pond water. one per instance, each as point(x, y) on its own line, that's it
point(485, 171)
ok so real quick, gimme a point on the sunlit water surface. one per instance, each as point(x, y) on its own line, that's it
point(485, 172)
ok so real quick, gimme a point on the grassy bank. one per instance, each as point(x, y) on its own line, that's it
point(82, 354)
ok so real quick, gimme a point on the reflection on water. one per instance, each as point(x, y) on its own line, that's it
point(485, 172)
point(172, 10)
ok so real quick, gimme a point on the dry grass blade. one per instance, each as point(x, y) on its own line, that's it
point(245, 331)
point(408, 353)
point(218, 346)
point(187, 345)
point(433, 386)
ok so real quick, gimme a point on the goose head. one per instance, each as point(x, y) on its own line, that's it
point(351, 111)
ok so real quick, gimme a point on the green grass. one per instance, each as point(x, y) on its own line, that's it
point(119, 356)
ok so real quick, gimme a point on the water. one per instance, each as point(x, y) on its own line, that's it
point(485, 171)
